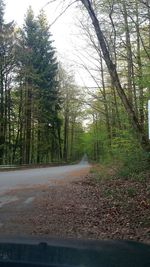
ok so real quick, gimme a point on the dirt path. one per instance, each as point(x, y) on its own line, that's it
point(77, 207)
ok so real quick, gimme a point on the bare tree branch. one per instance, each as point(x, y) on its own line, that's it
point(62, 12)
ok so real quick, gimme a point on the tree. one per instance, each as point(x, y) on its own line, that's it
point(37, 68)
point(72, 102)
point(91, 8)
point(27, 73)
point(47, 68)
point(6, 67)
point(114, 75)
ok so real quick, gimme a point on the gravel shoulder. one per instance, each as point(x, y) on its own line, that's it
point(78, 207)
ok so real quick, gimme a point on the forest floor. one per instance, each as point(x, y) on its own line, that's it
point(85, 207)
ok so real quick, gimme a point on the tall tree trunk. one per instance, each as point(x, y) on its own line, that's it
point(38, 142)
point(72, 139)
point(105, 101)
point(28, 123)
point(65, 151)
point(2, 137)
point(115, 78)
point(129, 54)
point(140, 74)
point(59, 142)
point(9, 127)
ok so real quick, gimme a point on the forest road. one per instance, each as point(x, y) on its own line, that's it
point(21, 191)
point(39, 176)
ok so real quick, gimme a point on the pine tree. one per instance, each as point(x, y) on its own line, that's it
point(46, 68)
point(27, 73)
point(38, 71)
point(1, 82)
point(6, 66)
point(1, 13)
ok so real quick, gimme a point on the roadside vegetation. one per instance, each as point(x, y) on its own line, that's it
point(43, 110)
point(45, 117)
point(99, 205)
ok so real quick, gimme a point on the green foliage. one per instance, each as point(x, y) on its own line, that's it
point(134, 164)
point(104, 172)
point(42, 109)
point(118, 193)
point(41, 101)
point(2, 5)
point(39, 68)
point(7, 60)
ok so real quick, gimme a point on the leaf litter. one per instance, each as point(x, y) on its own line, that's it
point(87, 209)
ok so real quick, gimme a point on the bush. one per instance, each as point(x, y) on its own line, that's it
point(134, 164)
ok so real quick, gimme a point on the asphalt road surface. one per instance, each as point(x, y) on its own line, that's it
point(11, 179)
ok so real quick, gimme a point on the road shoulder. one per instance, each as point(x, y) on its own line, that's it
point(80, 208)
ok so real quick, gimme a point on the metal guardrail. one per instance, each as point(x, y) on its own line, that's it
point(30, 166)
point(8, 166)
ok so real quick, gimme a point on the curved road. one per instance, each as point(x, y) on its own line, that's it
point(10, 179)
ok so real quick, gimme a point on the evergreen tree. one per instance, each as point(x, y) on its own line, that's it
point(1, 13)
point(6, 66)
point(27, 75)
point(37, 71)
point(46, 67)
point(1, 82)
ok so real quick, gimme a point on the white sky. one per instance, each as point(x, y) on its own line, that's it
point(65, 34)
point(61, 30)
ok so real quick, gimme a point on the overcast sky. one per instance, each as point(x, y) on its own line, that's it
point(65, 33)
point(61, 30)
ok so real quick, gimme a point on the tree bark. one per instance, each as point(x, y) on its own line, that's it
point(65, 150)
point(129, 54)
point(114, 76)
